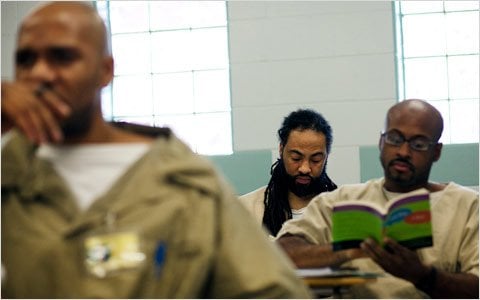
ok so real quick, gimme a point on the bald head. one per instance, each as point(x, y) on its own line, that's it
point(420, 111)
point(82, 15)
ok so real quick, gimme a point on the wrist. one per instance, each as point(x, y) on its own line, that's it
point(428, 281)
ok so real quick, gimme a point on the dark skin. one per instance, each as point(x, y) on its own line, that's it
point(405, 170)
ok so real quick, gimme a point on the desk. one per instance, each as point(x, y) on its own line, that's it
point(334, 283)
point(336, 287)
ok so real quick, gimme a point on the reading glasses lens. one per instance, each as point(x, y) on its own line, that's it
point(417, 144)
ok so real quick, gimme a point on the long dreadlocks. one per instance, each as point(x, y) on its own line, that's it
point(277, 207)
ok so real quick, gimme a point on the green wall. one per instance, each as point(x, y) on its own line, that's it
point(459, 163)
point(246, 170)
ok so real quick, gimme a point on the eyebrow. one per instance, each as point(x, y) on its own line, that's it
point(293, 151)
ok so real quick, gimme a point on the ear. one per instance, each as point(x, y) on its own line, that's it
point(107, 71)
point(437, 151)
point(380, 144)
point(280, 150)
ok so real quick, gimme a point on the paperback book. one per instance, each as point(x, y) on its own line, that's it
point(406, 219)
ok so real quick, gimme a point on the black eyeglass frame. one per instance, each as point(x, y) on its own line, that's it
point(410, 141)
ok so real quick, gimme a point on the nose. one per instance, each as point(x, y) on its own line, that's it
point(404, 150)
point(42, 71)
point(304, 167)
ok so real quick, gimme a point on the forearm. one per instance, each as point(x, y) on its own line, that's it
point(450, 285)
point(307, 255)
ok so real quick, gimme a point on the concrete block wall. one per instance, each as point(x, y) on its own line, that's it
point(337, 57)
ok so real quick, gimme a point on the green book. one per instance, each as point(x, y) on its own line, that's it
point(406, 219)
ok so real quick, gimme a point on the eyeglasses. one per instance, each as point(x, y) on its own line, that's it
point(417, 143)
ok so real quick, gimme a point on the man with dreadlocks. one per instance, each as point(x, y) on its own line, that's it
point(298, 175)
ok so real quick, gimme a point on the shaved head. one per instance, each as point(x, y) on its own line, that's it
point(90, 25)
point(420, 111)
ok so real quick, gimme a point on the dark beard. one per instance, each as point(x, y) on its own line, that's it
point(79, 123)
point(315, 187)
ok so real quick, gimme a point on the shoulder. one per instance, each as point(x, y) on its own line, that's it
point(456, 192)
point(173, 163)
point(254, 195)
point(254, 203)
point(371, 189)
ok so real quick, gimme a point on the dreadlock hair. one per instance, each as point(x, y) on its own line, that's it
point(277, 207)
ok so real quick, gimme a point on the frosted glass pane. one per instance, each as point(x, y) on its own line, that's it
point(173, 93)
point(129, 16)
point(444, 110)
point(461, 5)
point(463, 76)
point(183, 126)
point(212, 91)
point(410, 7)
point(462, 32)
point(132, 53)
point(107, 102)
point(186, 14)
point(172, 51)
point(214, 133)
point(426, 78)
point(209, 48)
point(464, 120)
point(132, 96)
point(424, 35)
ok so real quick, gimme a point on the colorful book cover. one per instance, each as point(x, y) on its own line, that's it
point(406, 219)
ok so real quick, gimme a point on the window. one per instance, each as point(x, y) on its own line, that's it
point(171, 69)
point(438, 51)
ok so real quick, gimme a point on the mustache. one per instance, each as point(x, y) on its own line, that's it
point(303, 176)
point(401, 160)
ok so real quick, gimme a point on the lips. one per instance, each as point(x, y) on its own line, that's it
point(303, 179)
point(401, 166)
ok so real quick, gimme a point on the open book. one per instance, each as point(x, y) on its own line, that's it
point(406, 219)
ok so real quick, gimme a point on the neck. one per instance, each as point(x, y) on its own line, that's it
point(430, 186)
point(298, 202)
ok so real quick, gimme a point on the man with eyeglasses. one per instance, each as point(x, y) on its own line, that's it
point(408, 148)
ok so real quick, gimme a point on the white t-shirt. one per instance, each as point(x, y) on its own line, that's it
point(90, 170)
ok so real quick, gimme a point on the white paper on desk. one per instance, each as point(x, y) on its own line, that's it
point(329, 272)
point(316, 272)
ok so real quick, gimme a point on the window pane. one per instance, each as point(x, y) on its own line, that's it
point(173, 93)
point(464, 120)
point(209, 48)
point(128, 16)
point(463, 76)
point(424, 35)
point(462, 32)
point(107, 102)
point(172, 51)
point(183, 126)
point(212, 91)
point(214, 133)
point(426, 78)
point(410, 7)
point(461, 5)
point(184, 14)
point(133, 96)
point(444, 109)
point(130, 61)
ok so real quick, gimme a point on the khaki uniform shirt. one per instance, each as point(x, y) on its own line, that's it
point(253, 202)
point(168, 228)
point(455, 234)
